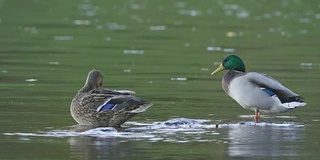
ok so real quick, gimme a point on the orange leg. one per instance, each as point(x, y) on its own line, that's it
point(257, 116)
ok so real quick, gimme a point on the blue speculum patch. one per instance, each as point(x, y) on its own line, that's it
point(270, 93)
point(107, 106)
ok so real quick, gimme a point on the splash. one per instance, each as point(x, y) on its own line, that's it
point(179, 130)
point(261, 124)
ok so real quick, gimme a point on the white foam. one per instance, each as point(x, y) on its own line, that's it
point(31, 80)
point(82, 22)
point(96, 132)
point(158, 28)
point(241, 124)
point(54, 63)
point(132, 51)
point(179, 79)
point(192, 13)
point(63, 38)
point(179, 130)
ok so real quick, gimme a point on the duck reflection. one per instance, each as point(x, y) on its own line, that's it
point(264, 141)
point(88, 147)
point(84, 147)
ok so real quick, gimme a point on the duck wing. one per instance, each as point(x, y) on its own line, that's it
point(113, 92)
point(105, 99)
point(267, 82)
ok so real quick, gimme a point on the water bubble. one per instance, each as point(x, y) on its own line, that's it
point(304, 20)
point(177, 23)
point(186, 44)
point(306, 64)
point(157, 28)
point(31, 80)
point(277, 13)
point(214, 49)
point(192, 13)
point(108, 38)
point(132, 51)
point(259, 35)
point(228, 12)
point(24, 139)
point(32, 30)
point(243, 14)
point(136, 6)
point(99, 27)
point(229, 50)
point(267, 16)
point(181, 4)
point(82, 22)
point(136, 18)
point(271, 29)
point(178, 79)
point(54, 63)
point(303, 31)
point(116, 26)
point(257, 18)
point(231, 34)
point(231, 7)
point(63, 38)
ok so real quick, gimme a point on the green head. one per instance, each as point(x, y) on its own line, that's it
point(231, 62)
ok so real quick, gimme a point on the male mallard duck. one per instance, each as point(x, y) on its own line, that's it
point(97, 106)
point(256, 91)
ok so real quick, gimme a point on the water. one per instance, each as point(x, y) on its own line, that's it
point(165, 52)
point(240, 139)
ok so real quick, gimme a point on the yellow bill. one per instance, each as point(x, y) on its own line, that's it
point(219, 69)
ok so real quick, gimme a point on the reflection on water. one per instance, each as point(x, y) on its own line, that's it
point(82, 147)
point(244, 139)
point(264, 141)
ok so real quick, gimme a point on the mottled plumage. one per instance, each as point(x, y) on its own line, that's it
point(97, 106)
point(256, 91)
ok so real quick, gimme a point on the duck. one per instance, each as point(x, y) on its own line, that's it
point(256, 91)
point(96, 106)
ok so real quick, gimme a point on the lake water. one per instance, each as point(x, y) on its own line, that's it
point(165, 51)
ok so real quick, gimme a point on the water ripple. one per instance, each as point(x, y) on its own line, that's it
point(178, 130)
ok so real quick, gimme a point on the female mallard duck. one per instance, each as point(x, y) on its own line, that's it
point(97, 106)
point(256, 91)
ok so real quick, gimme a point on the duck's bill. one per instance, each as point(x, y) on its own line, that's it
point(219, 69)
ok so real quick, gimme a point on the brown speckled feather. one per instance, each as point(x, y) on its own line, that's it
point(86, 103)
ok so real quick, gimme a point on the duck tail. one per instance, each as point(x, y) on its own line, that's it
point(292, 102)
point(142, 108)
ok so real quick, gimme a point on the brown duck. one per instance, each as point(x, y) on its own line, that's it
point(97, 106)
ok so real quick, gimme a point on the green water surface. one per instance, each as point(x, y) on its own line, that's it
point(48, 47)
